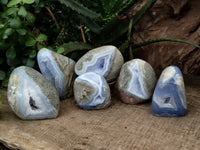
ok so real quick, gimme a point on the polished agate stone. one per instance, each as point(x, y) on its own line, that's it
point(136, 81)
point(91, 91)
point(169, 95)
point(105, 60)
point(59, 70)
point(32, 96)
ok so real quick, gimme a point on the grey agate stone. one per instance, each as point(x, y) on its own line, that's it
point(91, 91)
point(59, 70)
point(31, 96)
point(105, 60)
point(136, 81)
point(169, 96)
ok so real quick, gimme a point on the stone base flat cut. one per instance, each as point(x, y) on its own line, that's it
point(32, 96)
point(59, 70)
point(105, 60)
point(91, 91)
point(136, 81)
point(169, 95)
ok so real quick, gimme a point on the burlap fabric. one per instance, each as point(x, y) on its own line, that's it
point(120, 127)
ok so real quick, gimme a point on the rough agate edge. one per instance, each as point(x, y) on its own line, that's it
point(169, 96)
point(105, 60)
point(31, 96)
point(91, 91)
point(59, 70)
point(136, 81)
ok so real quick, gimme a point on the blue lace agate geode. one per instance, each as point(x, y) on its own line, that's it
point(59, 70)
point(169, 95)
point(136, 81)
point(31, 96)
point(91, 91)
point(105, 60)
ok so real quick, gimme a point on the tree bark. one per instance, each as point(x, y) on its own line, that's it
point(170, 19)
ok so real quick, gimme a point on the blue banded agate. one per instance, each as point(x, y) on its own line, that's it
point(59, 70)
point(31, 96)
point(91, 91)
point(105, 60)
point(169, 96)
point(136, 81)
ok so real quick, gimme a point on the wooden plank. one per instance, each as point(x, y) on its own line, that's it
point(120, 126)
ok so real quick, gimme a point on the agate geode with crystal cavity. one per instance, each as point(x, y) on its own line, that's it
point(91, 91)
point(136, 81)
point(31, 96)
point(105, 60)
point(59, 70)
point(169, 96)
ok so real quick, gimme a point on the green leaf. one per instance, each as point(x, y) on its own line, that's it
point(75, 46)
point(11, 53)
point(22, 11)
point(11, 11)
point(21, 31)
point(2, 75)
point(40, 46)
point(30, 62)
point(2, 26)
point(92, 25)
point(60, 50)
point(28, 1)
point(15, 23)
point(30, 42)
point(41, 37)
point(8, 31)
point(13, 2)
point(13, 62)
point(30, 17)
point(32, 54)
point(4, 2)
point(78, 7)
point(127, 5)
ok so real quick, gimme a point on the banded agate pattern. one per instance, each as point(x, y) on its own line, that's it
point(169, 96)
point(105, 60)
point(91, 91)
point(31, 96)
point(59, 70)
point(136, 81)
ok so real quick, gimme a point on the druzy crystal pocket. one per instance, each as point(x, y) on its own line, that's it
point(136, 81)
point(31, 96)
point(59, 70)
point(105, 60)
point(169, 96)
point(91, 91)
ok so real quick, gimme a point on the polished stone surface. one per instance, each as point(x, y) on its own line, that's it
point(59, 70)
point(136, 81)
point(169, 95)
point(91, 91)
point(105, 60)
point(31, 96)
